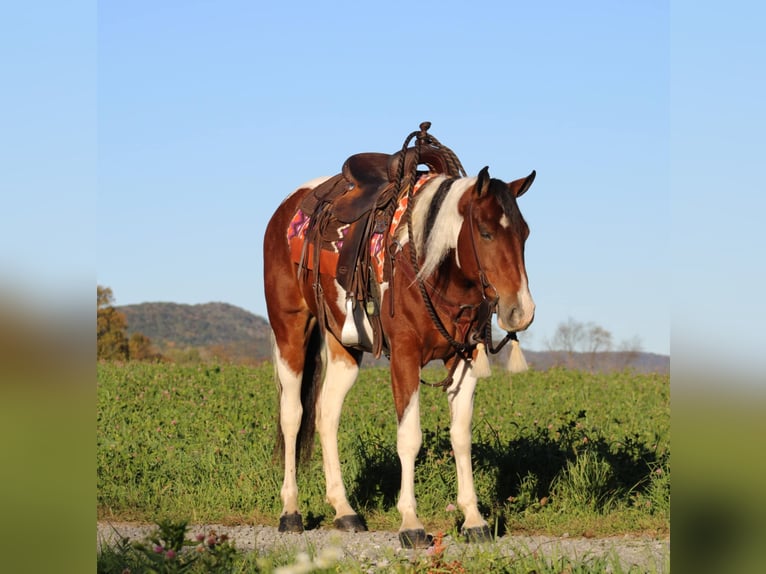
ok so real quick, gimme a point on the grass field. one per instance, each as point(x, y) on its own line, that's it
point(554, 452)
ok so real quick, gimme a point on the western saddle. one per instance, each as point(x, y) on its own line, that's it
point(353, 205)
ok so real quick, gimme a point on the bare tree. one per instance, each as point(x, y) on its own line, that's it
point(586, 345)
point(580, 345)
point(628, 352)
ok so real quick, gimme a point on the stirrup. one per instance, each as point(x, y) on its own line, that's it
point(349, 335)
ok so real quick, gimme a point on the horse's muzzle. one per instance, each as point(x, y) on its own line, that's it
point(518, 316)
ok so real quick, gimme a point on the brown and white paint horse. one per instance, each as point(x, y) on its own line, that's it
point(464, 229)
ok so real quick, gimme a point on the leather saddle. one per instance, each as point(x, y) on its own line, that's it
point(364, 180)
point(355, 203)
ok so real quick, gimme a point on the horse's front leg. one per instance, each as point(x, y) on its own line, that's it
point(340, 374)
point(405, 380)
point(460, 397)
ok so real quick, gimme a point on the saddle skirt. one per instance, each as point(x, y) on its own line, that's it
point(334, 233)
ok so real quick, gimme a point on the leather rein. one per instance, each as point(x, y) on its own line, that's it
point(482, 312)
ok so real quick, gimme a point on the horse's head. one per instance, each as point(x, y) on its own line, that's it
point(491, 245)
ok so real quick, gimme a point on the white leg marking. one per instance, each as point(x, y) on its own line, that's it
point(339, 378)
point(408, 440)
point(290, 419)
point(460, 397)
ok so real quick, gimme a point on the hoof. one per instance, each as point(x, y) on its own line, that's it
point(477, 534)
point(350, 523)
point(291, 523)
point(415, 538)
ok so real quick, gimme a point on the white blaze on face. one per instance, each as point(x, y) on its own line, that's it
point(526, 303)
point(525, 309)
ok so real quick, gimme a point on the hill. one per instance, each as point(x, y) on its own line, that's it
point(226, 332)
point(209, 329)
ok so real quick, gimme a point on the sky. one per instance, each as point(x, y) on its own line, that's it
point(178, 127)
point(209, 114)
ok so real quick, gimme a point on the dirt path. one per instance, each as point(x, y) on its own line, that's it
point(377, 549)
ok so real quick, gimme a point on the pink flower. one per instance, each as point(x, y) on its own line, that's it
point(158, 549)
point(450, 507)
point(170, 554)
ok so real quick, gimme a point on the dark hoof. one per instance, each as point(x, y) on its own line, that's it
point(415, 538)
point(291, 523)
point(477, 534)
point(350, 523)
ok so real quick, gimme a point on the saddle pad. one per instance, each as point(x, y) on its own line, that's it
point(328, 256)
point(377, 249)
point(296, 237)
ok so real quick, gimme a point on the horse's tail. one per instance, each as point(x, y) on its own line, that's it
point(310, 383)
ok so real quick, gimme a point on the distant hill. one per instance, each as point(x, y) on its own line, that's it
point(231, 333)
point(599, 362)
point(219, 329)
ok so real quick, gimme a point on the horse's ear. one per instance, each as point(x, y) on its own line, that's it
point(482, 181)
point(520, 186)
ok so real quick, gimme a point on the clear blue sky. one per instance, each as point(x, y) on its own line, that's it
point(186, 123)
point(210, 113)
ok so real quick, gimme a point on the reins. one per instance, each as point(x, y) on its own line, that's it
point(482, 333)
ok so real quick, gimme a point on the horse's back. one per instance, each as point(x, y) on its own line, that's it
point(275, 237)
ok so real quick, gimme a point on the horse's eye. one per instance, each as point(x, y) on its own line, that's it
point(485, 234)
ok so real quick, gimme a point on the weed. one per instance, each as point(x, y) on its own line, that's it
point(168, 551)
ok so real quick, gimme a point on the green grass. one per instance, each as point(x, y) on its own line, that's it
point(554, 452)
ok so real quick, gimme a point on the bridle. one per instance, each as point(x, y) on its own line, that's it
point(482, 312)
point(488, 306)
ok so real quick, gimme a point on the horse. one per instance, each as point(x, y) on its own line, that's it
point(458, 261)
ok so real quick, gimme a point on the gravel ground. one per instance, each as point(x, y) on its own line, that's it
point(377, 549)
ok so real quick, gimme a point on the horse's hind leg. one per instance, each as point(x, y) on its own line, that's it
point(294, 347)
point(342, 368)
point(290, 413)
point(460, 396)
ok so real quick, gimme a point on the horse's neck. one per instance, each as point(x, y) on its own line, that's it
point(454, 285)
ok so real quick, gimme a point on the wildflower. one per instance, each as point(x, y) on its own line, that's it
point(200, 537)
point(450, 507)
point(170, 554)
point(158, 549)
point(327, 557)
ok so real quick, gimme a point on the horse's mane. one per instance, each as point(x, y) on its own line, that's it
point(436, 221)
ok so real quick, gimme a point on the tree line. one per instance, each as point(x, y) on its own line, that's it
point(112, 341)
